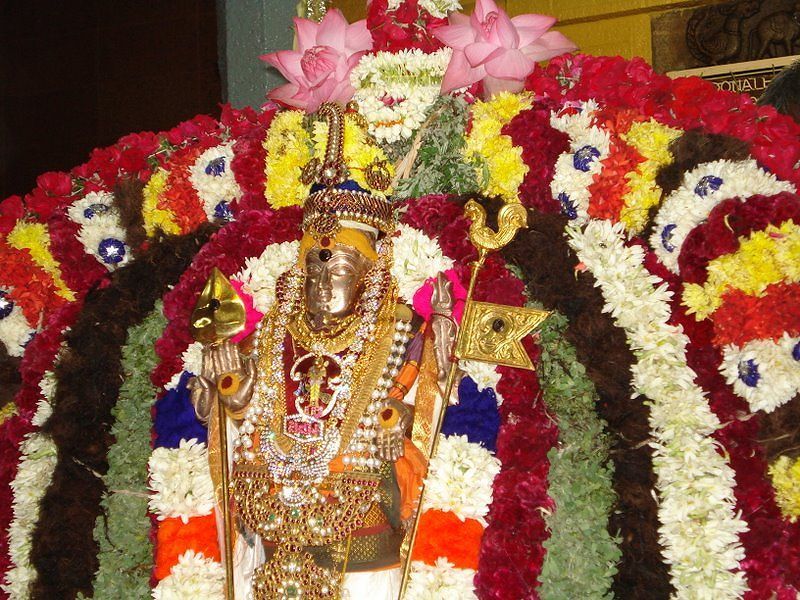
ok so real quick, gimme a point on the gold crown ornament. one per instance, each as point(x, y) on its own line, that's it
point(337, 196)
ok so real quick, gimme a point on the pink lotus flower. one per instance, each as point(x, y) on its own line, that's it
point(493, 48)
point(319, 70)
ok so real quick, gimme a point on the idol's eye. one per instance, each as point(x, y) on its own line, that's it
point(313, 270)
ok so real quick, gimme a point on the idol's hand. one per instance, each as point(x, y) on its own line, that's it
point(223, 375)
point(394, 421)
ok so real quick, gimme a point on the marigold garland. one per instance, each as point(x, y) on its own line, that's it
point(498, 163)
point(785, 474)
point(34, 238)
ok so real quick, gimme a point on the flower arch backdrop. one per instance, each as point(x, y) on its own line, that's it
point(654, 452)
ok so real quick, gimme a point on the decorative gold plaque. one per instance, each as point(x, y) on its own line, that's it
point(493, 333)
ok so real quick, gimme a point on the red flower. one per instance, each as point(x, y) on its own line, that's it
point(11, 211)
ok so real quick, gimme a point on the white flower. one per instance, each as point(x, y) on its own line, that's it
point(43, 407)
point(260, 273)
point(763, 372)
point(440, 582)
point(15, 332)
point(194, 577)
point(703, 188)
point(700, 528)
point(440, 8)
point(213, 179)
point(181, 481)
point(34, 473)
point(192, 359)
point(460, 478)
point(100, 233)
point(484, 375)
point(575, 169)
point(416, 259)
point(395, 90)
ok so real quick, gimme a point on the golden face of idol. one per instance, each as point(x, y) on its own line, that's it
point(333, 283)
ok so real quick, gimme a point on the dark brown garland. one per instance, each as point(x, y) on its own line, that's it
point(549, 268)
point(10, 379)
point(779, 431)
point(64, 552)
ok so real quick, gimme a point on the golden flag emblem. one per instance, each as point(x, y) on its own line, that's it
point(493, 333)
point(219, 313)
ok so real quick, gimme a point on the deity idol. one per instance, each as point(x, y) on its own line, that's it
point(325, 475)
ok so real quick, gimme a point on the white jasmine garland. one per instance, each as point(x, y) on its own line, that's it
point(213, 180)
point(700, 191)
point(260, 273)
point(763, 372)
point(576, 168)
point(15, 332)
point(100, 233)
point(34, 473)
point(441, 581)
point(193, 577)
point(460, 478)
point(394, 91)
point(180, 481)
point(416, 259)
point(699, 525)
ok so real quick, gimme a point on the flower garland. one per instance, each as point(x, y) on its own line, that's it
point(194, 576)
point(101, 232)
point(693, 479)
point(121, 532)
point(395, 91)
point(499, 167)
point(64, 531)
point(701, 190)
point(33, 237)
point(212, 177)
point(556, 278)
point(785, 474)
point(36, 465)
point(651, 140)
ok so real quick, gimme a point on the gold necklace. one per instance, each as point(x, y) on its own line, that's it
point(328, 341)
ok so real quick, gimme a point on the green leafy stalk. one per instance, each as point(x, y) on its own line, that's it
point(581, 555)
point(126, 553)
point(440, 164)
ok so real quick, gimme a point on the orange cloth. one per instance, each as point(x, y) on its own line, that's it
point(444, 534)
point(174, 537)
point(410, 470)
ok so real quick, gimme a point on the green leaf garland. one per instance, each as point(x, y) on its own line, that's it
point(122, 532)
point(581, 555)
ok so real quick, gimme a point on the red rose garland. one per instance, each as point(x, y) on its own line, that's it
point(686, 103)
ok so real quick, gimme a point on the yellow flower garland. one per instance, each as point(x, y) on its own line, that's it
point(785, 474)
point(288, 150)
point(651, 139)
point(498, 163)
point(156, 218)
point(35, 238)
point(8, 411)
point(766, 257)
